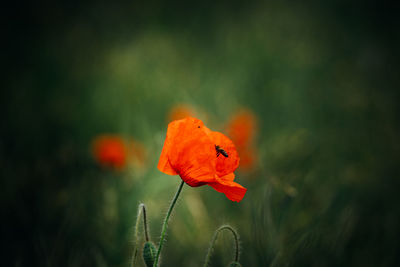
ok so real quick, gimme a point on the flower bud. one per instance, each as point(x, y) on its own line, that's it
point(235, 264)
point(149, 253)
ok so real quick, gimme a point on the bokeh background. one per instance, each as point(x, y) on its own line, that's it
point(321, 79)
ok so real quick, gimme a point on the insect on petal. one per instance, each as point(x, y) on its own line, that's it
point(225, 165)
point(191, 149)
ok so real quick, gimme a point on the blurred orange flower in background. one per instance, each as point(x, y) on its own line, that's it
point(110, 151)
point(179, 112)
point(242, 128)
point(201, 156)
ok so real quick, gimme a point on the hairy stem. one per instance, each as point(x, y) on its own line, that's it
point(165, 224)
point(214, 239)
point(141, 210)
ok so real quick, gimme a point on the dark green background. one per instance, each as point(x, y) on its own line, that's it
point(322, 77)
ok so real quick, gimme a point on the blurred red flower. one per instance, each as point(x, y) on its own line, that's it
point(201, 156)
point(179, 112)
point(242, 128)
point(110, 151)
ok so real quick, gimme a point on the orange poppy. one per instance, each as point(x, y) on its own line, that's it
point(110, 151)
point(201, 156)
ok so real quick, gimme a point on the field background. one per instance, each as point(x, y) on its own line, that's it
point(321, 77)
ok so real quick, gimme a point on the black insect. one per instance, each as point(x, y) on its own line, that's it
point(221, 151)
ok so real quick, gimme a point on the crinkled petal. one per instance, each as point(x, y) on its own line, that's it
point(226, 185)
point(228, 177)
point(163, 163)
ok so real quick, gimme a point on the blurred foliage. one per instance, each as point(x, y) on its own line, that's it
point(322, 78)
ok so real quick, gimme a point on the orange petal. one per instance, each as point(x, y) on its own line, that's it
point(228, 177)
point(163, 163)
point(225, 165)
point(232, 190)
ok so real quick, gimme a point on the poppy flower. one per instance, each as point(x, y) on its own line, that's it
point(201, 157)
point(110, 151)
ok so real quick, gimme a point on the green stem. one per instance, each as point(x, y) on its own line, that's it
point(164, 227)
point(214, 239)
point(141, 210)
point(145, 225)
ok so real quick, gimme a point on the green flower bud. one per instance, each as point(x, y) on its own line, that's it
point(149, 253)
point(235, 264)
